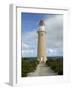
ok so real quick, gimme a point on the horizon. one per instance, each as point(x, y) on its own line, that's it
point(47, 56)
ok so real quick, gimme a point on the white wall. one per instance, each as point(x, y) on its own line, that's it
point(4, 41)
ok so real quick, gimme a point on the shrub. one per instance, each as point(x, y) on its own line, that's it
point(28, 66)
point(56, 64)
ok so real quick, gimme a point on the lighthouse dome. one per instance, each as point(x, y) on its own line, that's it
point(41, 25)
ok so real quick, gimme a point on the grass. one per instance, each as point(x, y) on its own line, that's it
point(28, 66)
point(56, 64)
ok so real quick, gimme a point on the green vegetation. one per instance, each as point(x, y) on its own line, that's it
point(28, 65)
point(56, 63)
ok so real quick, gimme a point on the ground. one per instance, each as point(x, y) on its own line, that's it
point(42, 70)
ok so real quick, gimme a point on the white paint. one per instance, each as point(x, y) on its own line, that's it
point(42, 28)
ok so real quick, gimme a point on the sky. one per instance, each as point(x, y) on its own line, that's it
point(54, 34)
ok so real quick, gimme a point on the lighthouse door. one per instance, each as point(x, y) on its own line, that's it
point(42, 59)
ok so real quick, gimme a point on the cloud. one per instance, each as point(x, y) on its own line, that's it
point(29, 44)
point(54, 33)
point(25, 46)
point(54, 52)
point(29, 53)
point(30, 39)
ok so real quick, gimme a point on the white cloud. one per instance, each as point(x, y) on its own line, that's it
point(29, 41)
point(30, 38)
point(25, 46)
point(54, 52)
point(51, 50)
point(54, 35)
point(29, 53)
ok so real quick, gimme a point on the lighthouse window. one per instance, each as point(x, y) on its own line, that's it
point(41, 34)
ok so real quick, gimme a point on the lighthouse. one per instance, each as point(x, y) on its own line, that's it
point(41, 52)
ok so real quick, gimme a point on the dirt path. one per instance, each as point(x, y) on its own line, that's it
point(42, 70)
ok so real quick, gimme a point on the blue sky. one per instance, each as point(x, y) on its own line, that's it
point(54, 37)
point(31, 20)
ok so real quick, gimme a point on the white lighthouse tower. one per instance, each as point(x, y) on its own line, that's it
point(41, 42)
